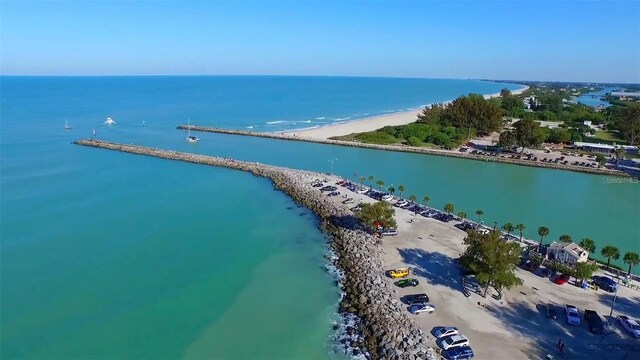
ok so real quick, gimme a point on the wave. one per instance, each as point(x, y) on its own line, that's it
point(300, 129)
point(306, 121)
point(341, 119)
point(275, 122)
point(250, 127)
point(320, 118)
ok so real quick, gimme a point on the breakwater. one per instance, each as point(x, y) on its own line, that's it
point(385, 330)
point(408, 149)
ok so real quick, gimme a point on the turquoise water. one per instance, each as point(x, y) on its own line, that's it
point(106, 255)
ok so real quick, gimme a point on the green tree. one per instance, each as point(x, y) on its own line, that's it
point(431, 114)
point(401, 189)
point(473, 112)
point(492, 260)
point(584, 270)
point(588, 245)
point(371, 178)
point(521, 228)
point(391, 189)
point(414, 141)
point(380, 184)
point(426, 200)
point(362, 179)
point(462, 215)
point(448, 208)
point(610, 252)
point(629, 123)
point(507, 139)
point(508, 227)
point(542, 231)
point(601, 160)
point(479, 213)
point(413, 198)
point(527, 133)
point(509, 102)
point(380, 212)
point(632, 259)
point(564, 238)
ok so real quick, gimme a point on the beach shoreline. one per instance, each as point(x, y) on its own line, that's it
point(372, 123)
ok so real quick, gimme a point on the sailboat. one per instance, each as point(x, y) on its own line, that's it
point(190, 138)
point(109, 121)
point(66, 125)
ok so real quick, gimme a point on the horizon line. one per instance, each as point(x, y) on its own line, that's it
point(327, 76)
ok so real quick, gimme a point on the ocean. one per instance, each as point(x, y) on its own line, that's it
point(106, 255)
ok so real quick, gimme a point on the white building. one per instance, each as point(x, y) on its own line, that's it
point(567, 253)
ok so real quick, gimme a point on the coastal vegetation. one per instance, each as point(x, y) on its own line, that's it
point(610, 252)
point(380, 213)
point(632, 259)
point(492, 260)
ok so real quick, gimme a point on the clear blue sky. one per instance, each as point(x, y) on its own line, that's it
point(538, 40)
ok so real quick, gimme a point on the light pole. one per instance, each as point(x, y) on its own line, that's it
point(331, 161)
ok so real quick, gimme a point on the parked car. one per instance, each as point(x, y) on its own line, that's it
point(594, 321)
point(454, 341)
point(416, 299)
point(399, 273)
point(605, 283)
point(562, 279)
point(446, 331)
point(421, 308)
point(389, 232)
point(406, 283)
point(573, 316)
point(630, 325)
point(546, 272)
point(551, 311)
point(459, 353)
point(387, 198)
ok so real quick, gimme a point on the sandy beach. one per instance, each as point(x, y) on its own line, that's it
point(372, 123)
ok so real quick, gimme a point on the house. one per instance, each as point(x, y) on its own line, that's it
point(567, 253)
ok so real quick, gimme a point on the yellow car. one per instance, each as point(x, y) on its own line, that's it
point(399, 273)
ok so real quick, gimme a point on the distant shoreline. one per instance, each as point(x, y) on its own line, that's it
point(371, 123)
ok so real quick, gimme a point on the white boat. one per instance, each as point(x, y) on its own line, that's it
point(190, 138)
point(66, 125)
point(109, 121)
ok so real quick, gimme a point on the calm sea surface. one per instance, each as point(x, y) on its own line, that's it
point(107, 255)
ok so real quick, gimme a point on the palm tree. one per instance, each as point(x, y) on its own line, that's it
point(588, 245)
point(426, 200)
point(401, 189)
point(565, 238)
point(362, 179)
point(479, 213)
point(448, 208)
point(371, 178)
point(520, 228)
point(508, 227)
point(632, 259)
point(462, 215)
point(542, 231)
point(413, 199)
point(391, 189)
point(380, 184)
point(610, 252)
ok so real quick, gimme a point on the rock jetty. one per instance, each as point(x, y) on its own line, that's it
point(408, 149)
point(387, 332)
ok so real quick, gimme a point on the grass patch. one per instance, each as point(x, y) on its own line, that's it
point(609, 137)
point(371, 137)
